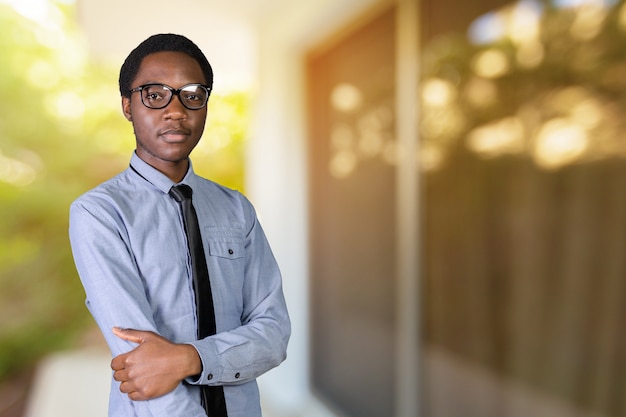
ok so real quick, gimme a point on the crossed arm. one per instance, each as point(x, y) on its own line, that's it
point(153, 368)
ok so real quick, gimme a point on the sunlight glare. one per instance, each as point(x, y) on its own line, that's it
point(44, 12)
point(560, 142)
point(497, 138)
point(524, 20)
point(588, 23)
point(67, 105)
point(588, 113)
point(342, 164)
point(346, 97)
point(491, 63)
point(520, 22)
point(72, 59)
point(621, 18)
point(36, 10)
point(438, 92)
point(15, 172)
point(43, 75)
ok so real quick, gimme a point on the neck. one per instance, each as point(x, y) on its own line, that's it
point(174, 170)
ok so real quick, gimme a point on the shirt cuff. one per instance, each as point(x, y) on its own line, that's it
point(208, 359)
point(213, 371)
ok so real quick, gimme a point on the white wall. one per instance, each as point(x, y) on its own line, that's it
point(276, 178)
point(222, 29)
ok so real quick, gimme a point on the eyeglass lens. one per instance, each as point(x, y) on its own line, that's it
point(157, 96)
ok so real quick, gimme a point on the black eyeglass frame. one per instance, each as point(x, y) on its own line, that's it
point(175, 92)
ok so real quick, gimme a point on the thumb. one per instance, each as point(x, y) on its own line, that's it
point(131, 335)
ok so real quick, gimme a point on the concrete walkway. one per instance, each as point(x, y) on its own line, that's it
point(71, 384)
point(77, 383)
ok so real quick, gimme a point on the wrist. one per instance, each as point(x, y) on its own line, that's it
point(192, 361)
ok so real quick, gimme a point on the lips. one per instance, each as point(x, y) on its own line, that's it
point(175, 135)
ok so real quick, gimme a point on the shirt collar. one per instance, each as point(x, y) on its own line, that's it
point(156, 177)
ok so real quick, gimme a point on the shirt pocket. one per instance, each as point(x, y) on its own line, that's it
point(225, 242)
point(228, 248)
point(226, 259)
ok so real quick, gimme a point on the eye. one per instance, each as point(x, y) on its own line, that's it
point(153, 95)
point(194, 94)
point(192, 97)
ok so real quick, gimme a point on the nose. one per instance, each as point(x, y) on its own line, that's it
point(175, 109)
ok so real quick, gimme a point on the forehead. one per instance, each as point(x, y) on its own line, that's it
point(171, 68)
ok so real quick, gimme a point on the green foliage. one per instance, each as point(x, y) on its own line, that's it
point(62, 133)
point(220, 154)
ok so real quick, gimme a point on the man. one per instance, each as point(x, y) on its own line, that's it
point(131, 250)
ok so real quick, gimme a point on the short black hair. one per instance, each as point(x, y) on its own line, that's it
point(161, 43)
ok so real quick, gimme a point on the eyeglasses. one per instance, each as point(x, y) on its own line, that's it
point(158, 96)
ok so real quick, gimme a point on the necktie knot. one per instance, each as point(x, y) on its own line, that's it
point(181, 192)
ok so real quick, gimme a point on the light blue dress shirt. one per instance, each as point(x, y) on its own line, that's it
point(130, 251)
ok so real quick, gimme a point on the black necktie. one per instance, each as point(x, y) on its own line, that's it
point(212, 396)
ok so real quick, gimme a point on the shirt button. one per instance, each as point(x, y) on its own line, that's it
point(210, 376)
point(237, 375)
point(230, 251)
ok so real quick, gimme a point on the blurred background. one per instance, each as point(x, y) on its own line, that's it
point(441, 182)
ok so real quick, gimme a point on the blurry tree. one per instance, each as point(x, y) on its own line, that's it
point(62, 133)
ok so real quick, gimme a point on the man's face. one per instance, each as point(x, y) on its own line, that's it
point(166, 137)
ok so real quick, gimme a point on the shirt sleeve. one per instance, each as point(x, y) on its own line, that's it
point(260, 343)
point(115, 297)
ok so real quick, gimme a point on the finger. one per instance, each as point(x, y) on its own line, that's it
point(127, 388)
point(131, 335)
point(136, 396)
point(120, 376)
point(119, 362)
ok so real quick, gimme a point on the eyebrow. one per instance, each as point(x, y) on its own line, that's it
point(183, 84)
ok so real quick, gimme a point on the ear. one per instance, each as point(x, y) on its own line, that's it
point(126, 108)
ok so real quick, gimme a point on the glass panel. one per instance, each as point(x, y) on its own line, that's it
point(351, 86)
point(524, 227)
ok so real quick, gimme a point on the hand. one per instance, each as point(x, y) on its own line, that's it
point(153, 368)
